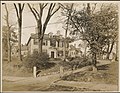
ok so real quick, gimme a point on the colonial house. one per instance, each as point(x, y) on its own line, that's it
point(53, 45)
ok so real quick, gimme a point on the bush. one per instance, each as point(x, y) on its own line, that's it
point(77, 62)
point(40, 60)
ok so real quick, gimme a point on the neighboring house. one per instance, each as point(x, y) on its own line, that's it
point(53, 45)
point(78, 48)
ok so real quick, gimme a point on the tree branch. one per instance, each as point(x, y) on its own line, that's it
point(45, 5)
point(16, 10)
point(22, 7)
point(52, 7)
point(55, 11)
point(33, 12)
point(36, 12)
point(49, 10)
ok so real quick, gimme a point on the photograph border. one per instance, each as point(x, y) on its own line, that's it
point(63, 1)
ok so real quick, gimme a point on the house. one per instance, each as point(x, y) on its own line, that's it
point(78, 48)
point(53, 45)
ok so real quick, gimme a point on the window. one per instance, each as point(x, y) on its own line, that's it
point(52, 43)
point(58, 44)
point(61, 44)
point(46, 42)
point(43, 42)
point(60, 53)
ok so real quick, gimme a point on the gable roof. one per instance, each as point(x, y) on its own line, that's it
point(48, 37)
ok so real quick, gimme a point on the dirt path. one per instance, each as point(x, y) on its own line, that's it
point(28, 83)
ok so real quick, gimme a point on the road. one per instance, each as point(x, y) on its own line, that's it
point(28, 83)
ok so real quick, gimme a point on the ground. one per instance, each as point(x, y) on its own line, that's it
point(51, 81)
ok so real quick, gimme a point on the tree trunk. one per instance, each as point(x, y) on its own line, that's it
point(19, 44)
point(107, 56)
point(85, 51)
point(40, 46)
point(64, 52)
point(109, 50)
point(19, 17)
point(19, 36)
point(9, 48)
point(116, 58)
point(8, 34)
point(94, 60)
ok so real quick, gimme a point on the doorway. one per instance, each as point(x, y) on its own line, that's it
point(52, 54)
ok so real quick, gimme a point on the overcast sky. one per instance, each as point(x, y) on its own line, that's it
point(29, 22)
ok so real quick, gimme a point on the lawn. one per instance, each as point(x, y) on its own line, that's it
point(106, 74)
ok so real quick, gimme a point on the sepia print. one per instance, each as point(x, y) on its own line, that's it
point(60, 46)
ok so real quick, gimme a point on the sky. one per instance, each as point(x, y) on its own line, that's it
point(29, 22)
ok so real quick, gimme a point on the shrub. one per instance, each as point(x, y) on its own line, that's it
point(77, 62)
point(40, 60)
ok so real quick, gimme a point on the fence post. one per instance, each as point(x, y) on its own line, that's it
point(61, 71)
point(34, 71)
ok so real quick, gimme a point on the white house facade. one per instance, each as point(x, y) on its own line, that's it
point(53, 45)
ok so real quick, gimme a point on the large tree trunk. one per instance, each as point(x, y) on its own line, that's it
point(94, 60)
point(19, 36)
point(40, 46)
point(19, 44)
point(40, 39)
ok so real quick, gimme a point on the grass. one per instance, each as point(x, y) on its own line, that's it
point(106, 74)
point(14, 68)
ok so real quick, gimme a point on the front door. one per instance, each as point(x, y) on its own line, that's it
point(52, 54)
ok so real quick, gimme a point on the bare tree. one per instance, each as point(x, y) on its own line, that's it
point(68, 15)
point(19, 11)
point(8, 33)
point(38, 16)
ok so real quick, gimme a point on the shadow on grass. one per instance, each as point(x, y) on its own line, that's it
point(103, 67)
